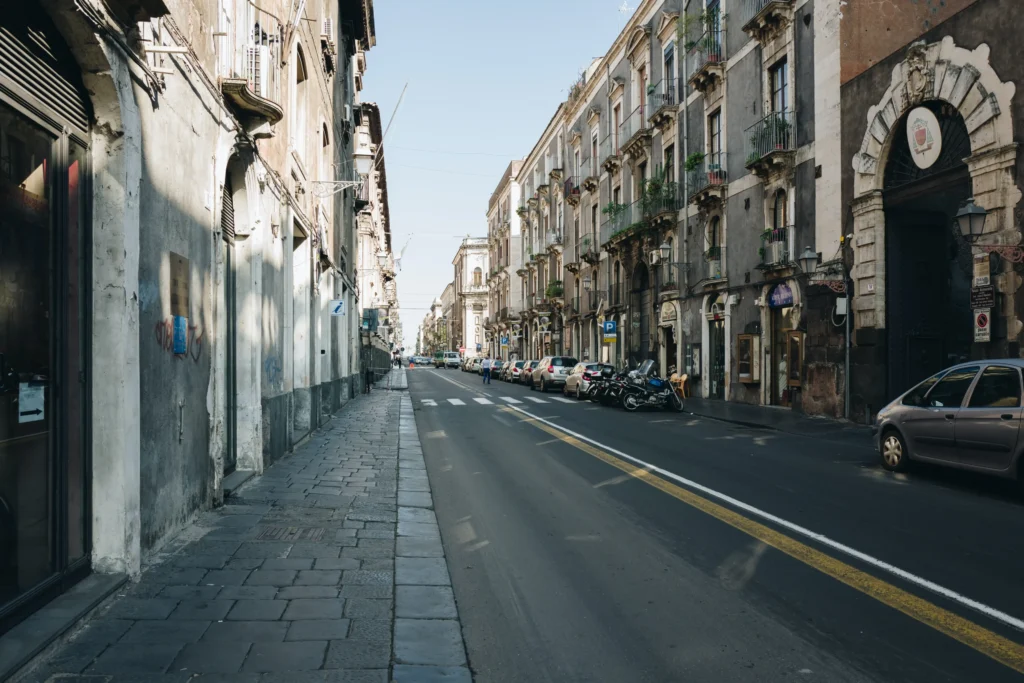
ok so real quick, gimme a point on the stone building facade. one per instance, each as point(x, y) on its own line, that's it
point(194, 162)
point(470, 300)
point(503, 326)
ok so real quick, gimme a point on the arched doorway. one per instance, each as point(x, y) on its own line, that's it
point(45, 209)
point(928, 265)
point(640, 304)
point(716, 346)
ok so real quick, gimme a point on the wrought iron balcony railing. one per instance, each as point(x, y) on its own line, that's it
point(774, 133)
point(709, 173)
point(635, 123)
point(663, 94)
point(705, 51)
point(714, 263)
point(775, 251)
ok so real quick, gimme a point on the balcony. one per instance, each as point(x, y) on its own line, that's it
point(593, 300)
point(557, 173)
point(610, 160)
point(706, 179)
point(771, 143)
point(662, 103)
point(775, 252)
point(553, 241)
point(714, 266)
point(590, 251)
point(635, 134)
point(572, 190)
point(661, 202)
point(768, 18)
point(707, 60)
point(618, 219)
point(252, 84)
point(362, 195)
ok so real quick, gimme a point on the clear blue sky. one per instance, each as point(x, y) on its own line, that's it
point(484, 79)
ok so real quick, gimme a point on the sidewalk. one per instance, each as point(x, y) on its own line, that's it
point(782, 420)
point(299, 577)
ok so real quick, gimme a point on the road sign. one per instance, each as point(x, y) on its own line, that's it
point(982, 325)
point(504, 342)
point(610, 331)
point(983, 297)
point(338, 307)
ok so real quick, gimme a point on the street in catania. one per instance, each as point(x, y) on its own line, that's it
point(391, 341)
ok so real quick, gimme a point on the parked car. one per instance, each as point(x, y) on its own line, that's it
point(966, 416)
point(514, 371)
point(578, 381)
point(496, 368)
point(552, 371)
point(506, 370)
point(452, 359)
point(526, 372)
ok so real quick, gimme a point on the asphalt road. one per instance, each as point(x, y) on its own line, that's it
point(572, 563)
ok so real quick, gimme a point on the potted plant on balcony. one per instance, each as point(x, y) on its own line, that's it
point(553, 290)
point(694, 161)
point(778, 128)
point(716, 174)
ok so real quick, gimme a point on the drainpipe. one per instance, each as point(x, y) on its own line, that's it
point(846, 368)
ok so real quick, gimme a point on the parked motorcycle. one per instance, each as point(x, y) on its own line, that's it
point(607, 387)
point(645, 389)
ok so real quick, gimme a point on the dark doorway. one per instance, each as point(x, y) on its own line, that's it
point(928, 265)
point(640, 303)
point(227, 221)
point(716, 358)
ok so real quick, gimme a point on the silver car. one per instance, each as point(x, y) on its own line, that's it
point(966, 416)
point(552, 371)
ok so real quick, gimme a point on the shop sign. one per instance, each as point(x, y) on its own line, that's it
point(668, 312)
point(337, 307)
point(924, 137)
point(983, 297)
point(780, 297)
point(610, 331)
point(31, 402)
point(982, 325)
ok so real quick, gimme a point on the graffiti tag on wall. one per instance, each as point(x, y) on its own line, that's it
point(164, 331)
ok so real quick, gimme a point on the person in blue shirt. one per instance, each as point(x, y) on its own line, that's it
point(485, 365)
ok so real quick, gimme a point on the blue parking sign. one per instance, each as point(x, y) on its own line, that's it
point(611, 331)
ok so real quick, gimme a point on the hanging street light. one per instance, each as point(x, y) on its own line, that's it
point(808, 260)
point(666, 251)
point(971, 220)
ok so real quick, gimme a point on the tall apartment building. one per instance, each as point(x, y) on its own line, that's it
point(674, 208)
point(470, 299)
point(182, 175)
point(505, 291)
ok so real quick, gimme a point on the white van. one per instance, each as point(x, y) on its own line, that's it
point(452, 359)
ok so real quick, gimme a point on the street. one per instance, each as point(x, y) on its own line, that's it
point(590, 544)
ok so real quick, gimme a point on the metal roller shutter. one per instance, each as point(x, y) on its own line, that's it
point(227, 213)
point(36, 68)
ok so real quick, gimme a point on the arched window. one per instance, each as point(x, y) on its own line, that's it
point(715, 232)
point(780, 210)
point(478, 275)
point(301, 94)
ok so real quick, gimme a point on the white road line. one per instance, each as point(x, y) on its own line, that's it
point(429, 402)
point(988, 611)
point(456, 402)
point(562, 399)
point(509, 399)
point(484, 401)
point(535, 399)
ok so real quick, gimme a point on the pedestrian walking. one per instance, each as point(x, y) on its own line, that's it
point(485, 365)
point(368, 383)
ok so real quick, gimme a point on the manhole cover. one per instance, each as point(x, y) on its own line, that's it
point(290, 533)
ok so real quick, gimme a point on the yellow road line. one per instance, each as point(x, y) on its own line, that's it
point(987, 642)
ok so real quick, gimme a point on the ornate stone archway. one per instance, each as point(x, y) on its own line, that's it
point(965, 79)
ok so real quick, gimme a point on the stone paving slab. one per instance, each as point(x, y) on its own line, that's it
point(295, 579)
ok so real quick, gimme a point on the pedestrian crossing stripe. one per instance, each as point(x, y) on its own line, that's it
point(562, 399)
point(484, 401)
point(535, 399)
point(456, 402)
point(488, 402)
point(509, 399)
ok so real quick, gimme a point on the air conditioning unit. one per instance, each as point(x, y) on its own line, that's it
point(328, 30)
point(257, 69)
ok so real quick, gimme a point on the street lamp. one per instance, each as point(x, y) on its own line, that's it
point(382, 259)
point(666, 251)
point(587, 283)
point(971, 220)
point(808, 260)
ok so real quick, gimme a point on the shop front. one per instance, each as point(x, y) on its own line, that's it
point(44, 230)
point(782, 355)
point(716, 354)
point(668, 320)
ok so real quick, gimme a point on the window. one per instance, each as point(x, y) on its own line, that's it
point(715, 137)
point(669, 73)
point(476, 321)
point(714, 232)
point(301, 94)
point(478, 275)
point(593, 153)
point(998, 387)
point(617, 195)
point(616, 122)
point(593, 219)
point(778, 77)
point(780, 210)
point(641, 84)
point(949, 392)
point(576, 163)
point(670, 164)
